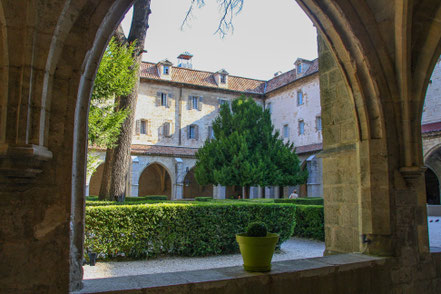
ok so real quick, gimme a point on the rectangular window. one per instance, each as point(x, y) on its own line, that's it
point(192, 132)
point(299, 68)
point(318, 123)
point(301, 127)
point(166, 129)
point(268, 106)
point(163, 99)
point(223, 79)
point(166, 70)
point(285, 131)
point(299, 98)
point(222, 101)
point(143, 127)
point(194, 102)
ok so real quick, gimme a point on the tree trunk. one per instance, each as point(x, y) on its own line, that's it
point(106, 177)
point(246, 194)
point(121, 154)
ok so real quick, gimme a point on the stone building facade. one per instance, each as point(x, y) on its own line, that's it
point(176, 107)
point(371, 53)
point(175, 111)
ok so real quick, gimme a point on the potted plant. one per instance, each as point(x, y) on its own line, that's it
point(257, 247)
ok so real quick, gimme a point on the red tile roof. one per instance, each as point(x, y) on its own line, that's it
point(203, 78)
point(432, 127)
point(309, 148)
point(163, 150)
point(289, 77)
point(239, 84)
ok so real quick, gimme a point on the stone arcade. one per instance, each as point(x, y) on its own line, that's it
point(375, 59)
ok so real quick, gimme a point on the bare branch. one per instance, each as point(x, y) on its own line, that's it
point(227, 8)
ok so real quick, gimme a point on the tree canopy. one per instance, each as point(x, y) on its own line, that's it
point(115, 77)
point(247, 151)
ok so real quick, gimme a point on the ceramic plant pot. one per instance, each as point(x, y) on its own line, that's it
point(257, 252)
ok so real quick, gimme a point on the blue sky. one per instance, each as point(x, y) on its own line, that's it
point(267, 37)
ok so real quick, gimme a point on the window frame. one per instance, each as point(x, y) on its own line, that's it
point(194, 102)
point(300, 100)
point(164, 99)
point(318, 125)
point(192, 130)
point(301, 127)
point(166, 70)
point(285, 130)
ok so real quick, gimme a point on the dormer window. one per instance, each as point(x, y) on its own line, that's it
point(299, 68)
point(165, 69)
point(223, 79)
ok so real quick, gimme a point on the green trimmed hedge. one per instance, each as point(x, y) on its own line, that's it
point(310, 222)
point(139, 231)
point(150, 197)
point(302, 201)
point(203, 199)
point(107, 203)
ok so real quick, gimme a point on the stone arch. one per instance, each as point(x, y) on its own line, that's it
point(192, 188)
point(432, 161)
point(95, 181)
point(432, 187)
point(155, 179)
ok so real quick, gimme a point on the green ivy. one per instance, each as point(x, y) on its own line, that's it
point(184, 229)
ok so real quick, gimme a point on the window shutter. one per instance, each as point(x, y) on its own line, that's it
point(138, 127)
point(189, 103)
point(158, 99)
point(188, 132)
point(196, 132)
point(149, 127)
point(169, 97)
point(200, 103)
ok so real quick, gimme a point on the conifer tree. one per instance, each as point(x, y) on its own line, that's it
point(247, 151)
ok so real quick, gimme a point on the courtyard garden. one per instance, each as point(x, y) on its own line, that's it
point(148, 227)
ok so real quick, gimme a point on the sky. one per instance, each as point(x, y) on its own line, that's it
point(266, 38)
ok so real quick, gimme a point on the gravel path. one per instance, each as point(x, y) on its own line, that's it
point(295, 248)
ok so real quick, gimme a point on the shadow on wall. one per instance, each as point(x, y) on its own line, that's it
point(155, 180)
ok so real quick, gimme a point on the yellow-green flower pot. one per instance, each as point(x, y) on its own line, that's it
point(257, 252)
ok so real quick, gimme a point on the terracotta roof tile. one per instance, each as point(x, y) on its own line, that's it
point(309, 148)
point(163, 150)
point(289, 77)
point(432, 127)
point(203, 78)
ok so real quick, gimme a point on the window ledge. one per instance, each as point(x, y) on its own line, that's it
point(233, 279)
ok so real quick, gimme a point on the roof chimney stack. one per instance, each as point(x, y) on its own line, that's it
point(184, 60)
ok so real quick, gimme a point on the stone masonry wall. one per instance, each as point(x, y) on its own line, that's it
point(285, 110)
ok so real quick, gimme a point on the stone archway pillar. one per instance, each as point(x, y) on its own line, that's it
point(178, 186)
point(219, 192)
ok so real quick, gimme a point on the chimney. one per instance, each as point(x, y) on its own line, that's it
point(277, 73)
point(184, 60)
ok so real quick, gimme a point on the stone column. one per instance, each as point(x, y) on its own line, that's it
point(179, 184)
point(219, 192)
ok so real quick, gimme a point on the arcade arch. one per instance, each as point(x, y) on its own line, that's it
point(95, 181)
point(433, 175)
point(192, 188)
point(155, 179)
point(375, 60)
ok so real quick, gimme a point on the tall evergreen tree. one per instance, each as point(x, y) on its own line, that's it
point(247, 151)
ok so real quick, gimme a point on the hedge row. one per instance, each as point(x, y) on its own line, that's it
point(131, 199)
point(302, 201)
point(139, 231)
point(309, 221)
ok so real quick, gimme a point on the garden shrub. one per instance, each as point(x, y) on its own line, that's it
point(309, 222)
point(302, 201)
point(107, 203)
point(189, 229)
point(149, 197)
point(204, 199)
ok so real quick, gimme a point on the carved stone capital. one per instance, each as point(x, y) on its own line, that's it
point(411, 174)
point(22, 163)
